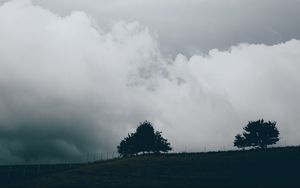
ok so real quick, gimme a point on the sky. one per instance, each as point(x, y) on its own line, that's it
point(77, 76)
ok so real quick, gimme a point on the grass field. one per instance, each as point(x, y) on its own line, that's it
point(276, 167)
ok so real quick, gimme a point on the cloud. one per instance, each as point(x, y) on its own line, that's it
point(246, 82)
point(196, 26)
point(69, 87)
point(65, 85)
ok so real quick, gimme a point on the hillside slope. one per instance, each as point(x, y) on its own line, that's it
point(277, 167)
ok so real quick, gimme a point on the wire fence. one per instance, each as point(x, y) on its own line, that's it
point(85, 158)
point(25, 170)
point(104, 156)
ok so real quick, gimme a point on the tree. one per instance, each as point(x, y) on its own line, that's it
point(161, 144)
point(127, 146)
point(145, 137)
point(143, 140)
point(258, 134)
point(240, 141)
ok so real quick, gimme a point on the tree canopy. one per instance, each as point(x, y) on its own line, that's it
point(258, 134)
point(145, 139)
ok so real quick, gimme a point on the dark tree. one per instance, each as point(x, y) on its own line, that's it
point(240, 141)
point(257, 134)
point(143, 140)
point(127, 146)
point(161, 144)
point(145, 137)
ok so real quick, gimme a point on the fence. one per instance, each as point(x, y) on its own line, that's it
point(10, 173)
point(97, 157)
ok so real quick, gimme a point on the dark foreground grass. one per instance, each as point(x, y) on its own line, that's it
point(277, 167)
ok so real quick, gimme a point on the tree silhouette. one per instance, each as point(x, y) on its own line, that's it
point(127, 146)
point(240, 141)
point(161, 144)
point(143, 140)
point(145, 137)
point(257, 134)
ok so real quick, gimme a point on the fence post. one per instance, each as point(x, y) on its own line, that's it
point(87, 157)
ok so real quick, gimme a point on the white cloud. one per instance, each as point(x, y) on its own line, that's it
point(68, 87)
point(247, 82)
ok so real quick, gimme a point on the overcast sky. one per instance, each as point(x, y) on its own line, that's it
point(77, 76)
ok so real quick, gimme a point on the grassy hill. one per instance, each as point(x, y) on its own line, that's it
point(277, 167)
